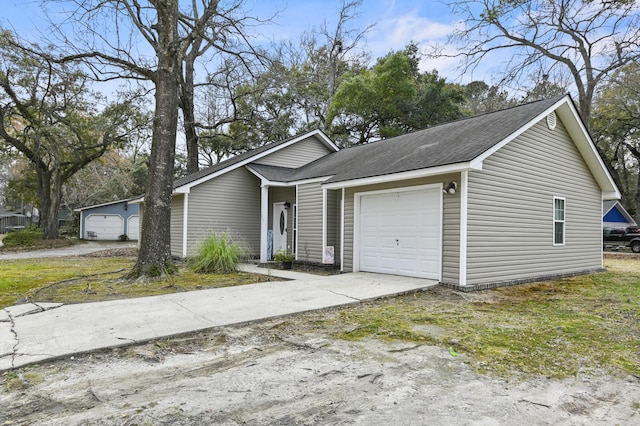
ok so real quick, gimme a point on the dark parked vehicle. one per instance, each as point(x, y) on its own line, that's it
point(621, 237)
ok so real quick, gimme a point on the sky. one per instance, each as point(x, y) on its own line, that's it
point(395, 24)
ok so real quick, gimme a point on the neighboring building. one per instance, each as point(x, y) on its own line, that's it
point(109, 221)
point(12, 221)
point(506, 197)
point(614, 215)
point(14, 218)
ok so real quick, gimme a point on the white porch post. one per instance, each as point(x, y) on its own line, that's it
point(185, 224)
point(264, 218)
point(324, 222)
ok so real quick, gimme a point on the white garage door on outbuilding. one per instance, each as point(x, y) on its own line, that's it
point(106, 226)
point(133, 227)
point(400, 231)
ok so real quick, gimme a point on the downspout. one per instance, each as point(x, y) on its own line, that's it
point(297, 220)
point(342, 231)
point(464, 192)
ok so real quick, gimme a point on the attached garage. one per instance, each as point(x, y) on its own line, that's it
point(399, 231)
point(106, 226)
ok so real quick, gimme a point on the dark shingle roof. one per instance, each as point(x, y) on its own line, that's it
point(274, 173)
point(452, 143)
point(445, 144)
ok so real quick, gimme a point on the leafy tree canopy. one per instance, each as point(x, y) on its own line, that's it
point(391, 98)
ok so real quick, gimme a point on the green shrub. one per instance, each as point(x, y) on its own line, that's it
point(283, 256)
point(218, 253)
point(25, 238)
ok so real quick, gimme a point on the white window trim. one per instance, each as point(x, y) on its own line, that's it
point(563, 221)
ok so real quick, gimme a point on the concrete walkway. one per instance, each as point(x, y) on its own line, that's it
point(32, 332)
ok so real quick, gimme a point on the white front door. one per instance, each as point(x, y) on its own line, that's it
point(279, 227)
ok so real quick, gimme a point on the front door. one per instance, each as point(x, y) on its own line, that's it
point(279, 227)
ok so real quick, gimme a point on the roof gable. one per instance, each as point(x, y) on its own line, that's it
point(613, 211)
point(184, 184)
point(95, 206)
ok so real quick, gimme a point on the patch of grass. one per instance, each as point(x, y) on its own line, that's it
point(22, 279)
point(555, 328)
point(16, 380)
point(81, 279)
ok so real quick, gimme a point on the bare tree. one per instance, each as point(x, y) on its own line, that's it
point(224, 33)
point(616, 130)
point(48, 114)
point(149, 40)
point(586, 39)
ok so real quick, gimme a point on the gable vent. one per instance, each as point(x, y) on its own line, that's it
point(551, 120)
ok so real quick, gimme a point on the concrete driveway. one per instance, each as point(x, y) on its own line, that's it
point(35, 332)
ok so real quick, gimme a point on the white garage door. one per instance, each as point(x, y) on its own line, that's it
point(133, 227)
point(107, 226)
point(400, 232)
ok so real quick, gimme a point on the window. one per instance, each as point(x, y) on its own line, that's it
point(558, 221)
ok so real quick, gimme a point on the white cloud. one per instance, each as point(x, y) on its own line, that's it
point(395, 32)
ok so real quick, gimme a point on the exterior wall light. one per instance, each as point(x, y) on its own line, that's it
point(450, 188)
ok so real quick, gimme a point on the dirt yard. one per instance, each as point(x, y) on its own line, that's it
point(289, 372)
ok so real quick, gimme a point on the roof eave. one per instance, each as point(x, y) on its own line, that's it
point(394, 177)
point(567, 112)
point(576, 128)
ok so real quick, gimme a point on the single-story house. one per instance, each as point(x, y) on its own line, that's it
point(506, 197)
point(614, 215)
point(109, 221)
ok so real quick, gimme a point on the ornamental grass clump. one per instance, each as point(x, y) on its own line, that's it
point(218, 253)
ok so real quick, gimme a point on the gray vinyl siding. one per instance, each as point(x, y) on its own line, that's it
point(230, 202)
point(451, 234)
point(177, 222)
point(297, 155)
point(310, 223)
point(510, 210)
point(348, 230)
point(280, 195)
point(451, 222)
point(333, 225)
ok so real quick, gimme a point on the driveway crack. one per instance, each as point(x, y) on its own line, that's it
point(12, 330)
point(345, 295)
point(192, 312)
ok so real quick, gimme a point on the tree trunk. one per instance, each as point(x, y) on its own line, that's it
point(49, 203)
point(154, 258)
point(188, 111)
